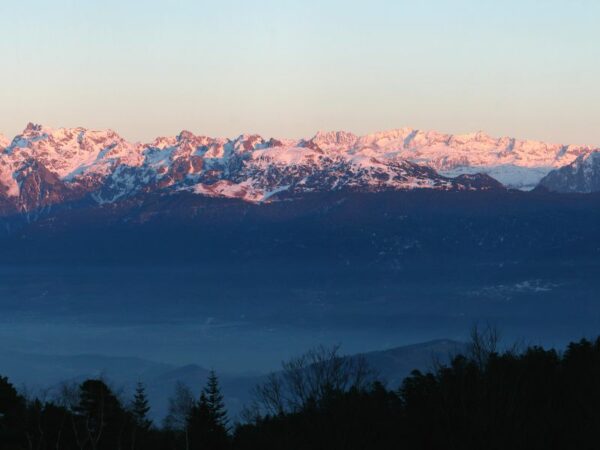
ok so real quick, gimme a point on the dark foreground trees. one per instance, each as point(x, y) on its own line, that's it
point(206, 422)
point(485, 399)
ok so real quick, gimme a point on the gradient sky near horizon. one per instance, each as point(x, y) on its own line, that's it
point(287, 68)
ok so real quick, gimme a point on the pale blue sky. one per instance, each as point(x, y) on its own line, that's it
point(288, 68)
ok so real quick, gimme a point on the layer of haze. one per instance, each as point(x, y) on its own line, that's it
point(288, 68)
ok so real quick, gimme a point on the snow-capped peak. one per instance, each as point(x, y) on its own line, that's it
point(334, 139)
point(68, 152)
point(103, 165)
point(249, 142)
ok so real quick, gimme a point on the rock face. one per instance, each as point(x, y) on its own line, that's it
point(39, 187)
point(581, 176)
point(42, 167)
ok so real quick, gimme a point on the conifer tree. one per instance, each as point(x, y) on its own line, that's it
point(207, 420)
point(140, 407)
point(211, 395)
point(200, 426)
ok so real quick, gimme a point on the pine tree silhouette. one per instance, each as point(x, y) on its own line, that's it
point(207, 420)
point(140, 407)
point(212, 397)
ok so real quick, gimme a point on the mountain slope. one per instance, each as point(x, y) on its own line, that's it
point(515, 163)
point(582, 176)
point(43, 167)
point(382, 229)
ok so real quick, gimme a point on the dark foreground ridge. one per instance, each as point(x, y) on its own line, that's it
point(384, 229)
point(483, 399)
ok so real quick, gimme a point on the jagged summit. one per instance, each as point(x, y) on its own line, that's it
point(582, 175)
point(32, 127)
point(102, 166)
point(328, 139)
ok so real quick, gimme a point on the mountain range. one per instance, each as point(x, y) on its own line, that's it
point(43, 167)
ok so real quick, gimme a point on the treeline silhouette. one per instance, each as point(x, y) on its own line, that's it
point(484, 398)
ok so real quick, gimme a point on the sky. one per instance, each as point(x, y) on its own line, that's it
point(287, 68)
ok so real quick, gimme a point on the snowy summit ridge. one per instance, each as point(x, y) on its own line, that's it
point(42, 166)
